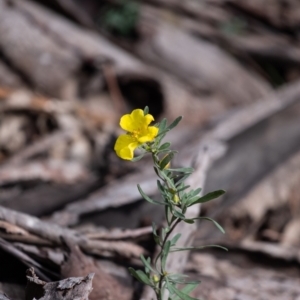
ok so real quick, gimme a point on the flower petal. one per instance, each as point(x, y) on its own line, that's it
point(136, 121)
point(148, 119)
point(128, 124)
point(125, 146)
point(148, 135)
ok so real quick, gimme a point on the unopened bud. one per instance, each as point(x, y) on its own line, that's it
point(176, 199)
point(155, 278)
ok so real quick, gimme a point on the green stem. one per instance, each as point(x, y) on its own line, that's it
point(177, 220)
point(161, 280)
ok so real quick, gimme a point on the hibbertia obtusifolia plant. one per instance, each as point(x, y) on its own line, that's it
point(176, 198)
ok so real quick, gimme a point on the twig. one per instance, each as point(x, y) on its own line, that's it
point(54, 233)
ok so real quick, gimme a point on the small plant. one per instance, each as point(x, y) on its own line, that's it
point(120, 19)
point(176, 198)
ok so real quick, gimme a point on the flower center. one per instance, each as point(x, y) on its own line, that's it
point(135, 134)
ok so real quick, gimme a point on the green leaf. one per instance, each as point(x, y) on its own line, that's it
point(181, 279)
point(157, 240)
point(196, 192)
point(175, 239)
point(180, 294)
point(168, 180)
point(169, 286)
point(198, 248)
point(162, 126)
point(187, 289)
point(164, 146)
point(207, 197)
point(148, 198)
point(161, 188)
point(180, 189)
point(158, 172)
point(137, 158)
point(174, 123)
point(175, 277)
point(189, 221)
point(167, 214)
point(183, 178)
point(147, 263)
point(154, 228)
point(165, 253)
point(140, 276)
point(166, 160)
point(183, 170)
point(144, 278)
point(178, 214)
point(146, 110)
point(212, 220)
point(163, 233)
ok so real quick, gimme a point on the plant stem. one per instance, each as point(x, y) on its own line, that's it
point(177, 221)
point(162, 247)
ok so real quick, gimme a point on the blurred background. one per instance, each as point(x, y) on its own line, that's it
point(70, 68)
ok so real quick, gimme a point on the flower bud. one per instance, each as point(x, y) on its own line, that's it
point(176, 199)
point(155, 278)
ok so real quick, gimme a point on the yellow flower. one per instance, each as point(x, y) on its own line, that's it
point(138, 132)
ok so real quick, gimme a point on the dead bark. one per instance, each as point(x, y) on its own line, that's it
point(71, 10)
point(54, 171)
point(18, 37)
point(232, 277)
point(258, 130)
point(64, 50)
point(280, 14)
point(66, 289)
point(105, 287)
point(54, 233)
point(167, 46)
point(23, 257)
point(117, 234)
point(9, 78)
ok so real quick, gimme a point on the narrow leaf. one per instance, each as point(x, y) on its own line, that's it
point(178, 214)
point(174, 123)
point(175, 239)
point(207, 197)
point(189, 221)
point(146, 263)
point(212, 220)
point(166, 160)
point(154, 229)
point(162, 125)
point(165, 253)
point(143, 277)
point(187, 289)
point(183, 178)
point(161, 188)
point(137, 158)
point(183, 170)
point(198, 248)
point(197, 191)
point(169, 287)
point(148, 198)
point(146, 110)
point(164, 146)
point(181, 294)
point(140, 276)
point(183, 188)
